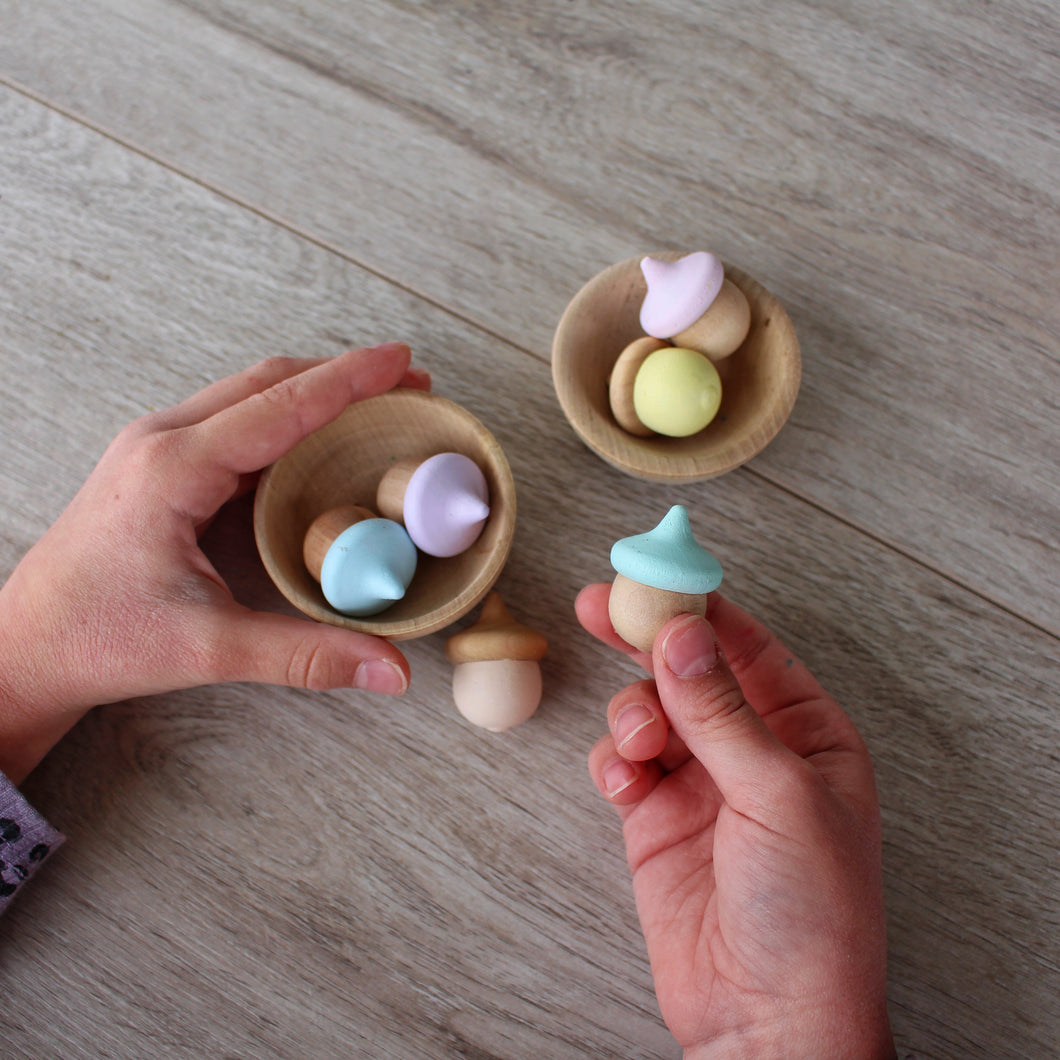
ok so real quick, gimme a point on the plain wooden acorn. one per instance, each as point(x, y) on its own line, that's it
point(325, 528)
point(495, 635)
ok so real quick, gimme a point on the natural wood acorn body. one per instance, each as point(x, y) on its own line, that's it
point(323, 531)
point(623, 376)
point(390, 496)
point(720, 331)
point(639, 611)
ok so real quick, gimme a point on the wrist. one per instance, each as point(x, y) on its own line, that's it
point(36, 706)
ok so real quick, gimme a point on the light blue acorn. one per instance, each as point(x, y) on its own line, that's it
point(364, 564)
point(660, 574)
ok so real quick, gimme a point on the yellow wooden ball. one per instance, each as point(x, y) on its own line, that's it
point(677, 392)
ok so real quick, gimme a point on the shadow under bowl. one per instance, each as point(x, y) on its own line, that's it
point(342, 464)
point(760, 381)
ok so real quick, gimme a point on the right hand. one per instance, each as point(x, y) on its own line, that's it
point(752, 830)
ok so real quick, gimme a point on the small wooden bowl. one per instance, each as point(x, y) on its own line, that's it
point(759, 381)
point(342, 464)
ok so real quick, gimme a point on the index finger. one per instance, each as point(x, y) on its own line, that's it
point(591, 608)
point(258, 430)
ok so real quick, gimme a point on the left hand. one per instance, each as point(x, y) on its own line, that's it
point(117, 599)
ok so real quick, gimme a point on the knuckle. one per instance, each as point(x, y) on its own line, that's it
point(142, 449)
point(282, 399)
point(137, 431)
point(156, 449)
point(274, 367)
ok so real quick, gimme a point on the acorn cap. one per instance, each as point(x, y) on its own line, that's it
point(679, 292)
point(668, 557)
point(446, 504)
point(496, 635)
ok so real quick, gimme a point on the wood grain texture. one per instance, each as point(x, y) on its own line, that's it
point(886, 171)
point(262, 872)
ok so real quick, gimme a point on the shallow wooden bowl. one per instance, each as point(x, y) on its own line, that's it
point(759, 381)
point(342, 464)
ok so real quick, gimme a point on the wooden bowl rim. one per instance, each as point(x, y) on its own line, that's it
point(646, 458)
point(503, 508)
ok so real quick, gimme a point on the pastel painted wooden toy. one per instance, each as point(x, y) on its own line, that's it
point(660, 574)
point(363, 563)
point(496, 672)
point(691, 303)
point(676, 392)
point(443, 501)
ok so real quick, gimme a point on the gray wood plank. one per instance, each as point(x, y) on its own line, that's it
point(889, 172)
point(264, 872)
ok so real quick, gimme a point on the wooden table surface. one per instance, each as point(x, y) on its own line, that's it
point(186, 187)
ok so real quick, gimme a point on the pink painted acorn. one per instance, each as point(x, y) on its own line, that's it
point(692, 305)
point(443, 502)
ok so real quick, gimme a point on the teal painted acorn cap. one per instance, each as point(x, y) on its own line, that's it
point(668, 557)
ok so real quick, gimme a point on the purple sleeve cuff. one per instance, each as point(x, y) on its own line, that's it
point(26, 840)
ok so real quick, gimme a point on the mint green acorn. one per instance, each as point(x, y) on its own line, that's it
point(660, 574)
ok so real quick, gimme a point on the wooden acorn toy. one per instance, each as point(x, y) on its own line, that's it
point(363, 563)
point(496, 673)
point(660, 574)
point(692, 304)
point(443, 501)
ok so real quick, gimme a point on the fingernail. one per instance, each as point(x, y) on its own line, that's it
point(630, 720)
point(379, 675)
point(691, 650)
point(618, 775)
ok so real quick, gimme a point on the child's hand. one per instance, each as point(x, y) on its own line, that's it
point(117, 600)
point(752, 830)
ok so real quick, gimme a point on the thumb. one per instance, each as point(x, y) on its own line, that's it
point(283, 650)
point(707, 709)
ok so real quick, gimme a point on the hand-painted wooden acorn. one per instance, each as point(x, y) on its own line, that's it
point(661, 389)
point(660, 575)
point(691, 303)
point(363, 563)
point(443, 501)
point(496, 674)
